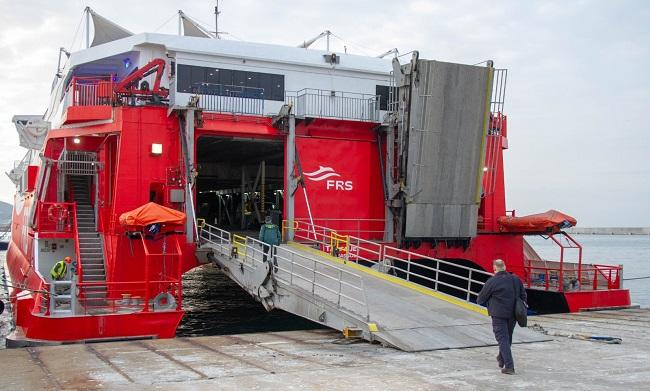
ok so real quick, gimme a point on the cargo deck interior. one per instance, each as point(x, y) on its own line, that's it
point(240, 181)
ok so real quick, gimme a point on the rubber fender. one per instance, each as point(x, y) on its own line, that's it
point(164, 301)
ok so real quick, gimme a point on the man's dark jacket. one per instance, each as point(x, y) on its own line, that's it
point(498, 295)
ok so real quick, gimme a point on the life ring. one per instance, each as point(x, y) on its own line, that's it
point(164, 301)
point(57, 212)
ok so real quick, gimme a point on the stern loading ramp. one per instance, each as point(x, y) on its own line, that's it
point(342, 294)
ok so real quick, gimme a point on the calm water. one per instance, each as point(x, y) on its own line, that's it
point(215, 305)
point(633, 252)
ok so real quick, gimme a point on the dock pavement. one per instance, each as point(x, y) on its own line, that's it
point(321, 360)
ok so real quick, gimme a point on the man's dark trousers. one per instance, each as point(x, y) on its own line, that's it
point(503, 328)
point(266, 248)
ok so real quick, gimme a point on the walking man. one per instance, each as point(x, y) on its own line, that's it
point(269, 235)
point(498, 294)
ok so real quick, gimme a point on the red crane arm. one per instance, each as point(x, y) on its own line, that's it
point(129, 85)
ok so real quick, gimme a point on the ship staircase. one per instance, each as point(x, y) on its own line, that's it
point(365, 291)
point(91, 252)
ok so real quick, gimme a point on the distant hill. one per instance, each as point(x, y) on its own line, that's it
point(5, 212)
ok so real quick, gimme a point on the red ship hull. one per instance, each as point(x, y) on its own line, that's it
point(342, 162)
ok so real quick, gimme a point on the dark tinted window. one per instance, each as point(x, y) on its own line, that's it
point(382, 91)
point(229, 82)
point(225, 77)
point(183, 81)
point(212, 76)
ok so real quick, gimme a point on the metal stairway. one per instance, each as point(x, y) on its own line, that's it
point(90, 243)
point(355, 299)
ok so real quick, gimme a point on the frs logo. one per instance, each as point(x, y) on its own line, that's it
point(324, 173)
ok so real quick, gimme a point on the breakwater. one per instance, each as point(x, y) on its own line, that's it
point(609, 230)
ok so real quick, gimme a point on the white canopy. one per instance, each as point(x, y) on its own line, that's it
point(192, 28)
point(105, 30)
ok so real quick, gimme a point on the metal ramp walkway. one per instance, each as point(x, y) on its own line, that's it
point(350, 297)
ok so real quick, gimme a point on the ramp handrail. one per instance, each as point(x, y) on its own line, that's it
point(472, 288)
point(312, 271)
point(358, 249)
point(249, 250)
point(254, 251)
point(311, 267)
point(370, 229)
point(219, 238)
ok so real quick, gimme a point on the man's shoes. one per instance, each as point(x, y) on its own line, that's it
point(508, 371)
point(500, 361)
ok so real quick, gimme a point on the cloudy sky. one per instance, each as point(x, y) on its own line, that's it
point(578, 96)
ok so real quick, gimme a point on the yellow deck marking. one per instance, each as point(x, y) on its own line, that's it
point(395, 280)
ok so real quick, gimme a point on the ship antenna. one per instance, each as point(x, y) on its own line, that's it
point(216, 20)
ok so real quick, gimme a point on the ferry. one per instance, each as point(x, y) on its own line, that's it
point(150, 138)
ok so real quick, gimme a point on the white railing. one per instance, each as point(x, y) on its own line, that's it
point(364, 250)
point(335, 284)
point(393, 256)
point(219, 238)
point(331, 282)
point(255, 251)
point(315, 103)
point(219, 98)
point(398, 262)
point(362, 228)
point(78, 163)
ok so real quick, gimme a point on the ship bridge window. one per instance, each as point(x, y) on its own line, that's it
point(219, 81)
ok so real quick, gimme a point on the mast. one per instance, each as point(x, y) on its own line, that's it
point(87, 11)
point(216, 20)
point(180, 22)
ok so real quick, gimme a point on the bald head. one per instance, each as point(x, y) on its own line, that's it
point(498, 265)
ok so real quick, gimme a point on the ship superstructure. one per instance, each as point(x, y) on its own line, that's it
point(369, 160)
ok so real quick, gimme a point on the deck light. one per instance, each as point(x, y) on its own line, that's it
point(156, 149)
point(76, 140)
point(484, 169)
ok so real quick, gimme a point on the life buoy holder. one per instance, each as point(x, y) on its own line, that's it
point(57, 212)
point(164, 301)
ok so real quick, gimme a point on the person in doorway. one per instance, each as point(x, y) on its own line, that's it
point(59, 272)
point(269, 235)
point(248, 214)
point(60, 269)
point(498, 294)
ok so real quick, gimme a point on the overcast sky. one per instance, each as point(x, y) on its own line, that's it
point(578, 96)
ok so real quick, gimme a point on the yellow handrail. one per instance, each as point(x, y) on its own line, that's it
point(285, 226)
point(240, 243)
point(336, 240)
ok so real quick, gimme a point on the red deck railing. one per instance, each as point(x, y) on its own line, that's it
point(91, 91)
point(129, 296)
point(56, 219)
point(570, 276)
point(163, 255)
point(593, 277)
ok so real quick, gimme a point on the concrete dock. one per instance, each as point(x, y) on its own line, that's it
point(319, 359)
